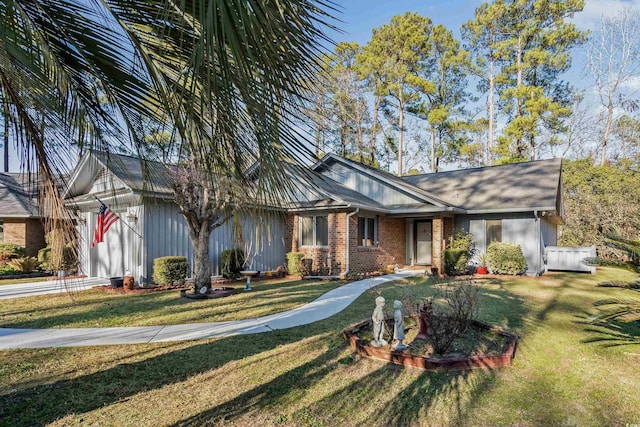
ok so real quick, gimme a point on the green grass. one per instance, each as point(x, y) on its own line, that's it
point(25, 280)
point(566, 372)
point(96, 308)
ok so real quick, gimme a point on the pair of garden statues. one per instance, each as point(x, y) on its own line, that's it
point(378, 325)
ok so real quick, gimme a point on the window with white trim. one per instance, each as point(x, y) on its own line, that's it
point(314, 230)
point(367, 231)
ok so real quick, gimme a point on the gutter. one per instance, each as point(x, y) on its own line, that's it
point(347, 257)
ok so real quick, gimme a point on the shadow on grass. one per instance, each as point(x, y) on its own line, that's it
point(613, 333)
point(100, 310)
point(44, 403)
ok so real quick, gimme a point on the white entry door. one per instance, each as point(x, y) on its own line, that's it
point(423, 232)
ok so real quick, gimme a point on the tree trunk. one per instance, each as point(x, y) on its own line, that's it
point(490, 101)
point(201, 261)
point(433, 150)
point(607, 130)
point(401, 128)
point(374, 130)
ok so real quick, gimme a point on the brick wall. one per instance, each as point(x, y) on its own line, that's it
point(391, 249)
point(27, 233)
point(332, 260)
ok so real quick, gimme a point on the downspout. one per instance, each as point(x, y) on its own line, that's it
point(346, 255)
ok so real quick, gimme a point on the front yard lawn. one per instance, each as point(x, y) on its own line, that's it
point(566, 372)
point(96, 308)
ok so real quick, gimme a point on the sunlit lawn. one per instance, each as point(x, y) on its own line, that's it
point(308, 376)
point(96, 308)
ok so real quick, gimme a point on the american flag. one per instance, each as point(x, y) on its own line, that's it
point(106, 218)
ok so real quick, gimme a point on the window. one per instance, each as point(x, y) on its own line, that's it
point(1, 231)
point(314, 231)
point(494, 231)
point(367, 231)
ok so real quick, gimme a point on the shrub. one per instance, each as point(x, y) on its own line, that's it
point(458, 253)
point(9, 251)
point(455, 261)
point(24, 264)
point(462, 301)
point(6, 270)
point(294, 263)
point(443, 331)
point(170, 269)
point(68, 262)
point(506, 258)
point(232, 263)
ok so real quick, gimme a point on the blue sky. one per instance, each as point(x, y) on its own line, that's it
point(359, 17)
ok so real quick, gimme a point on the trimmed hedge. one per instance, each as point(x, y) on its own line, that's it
point(455, 261)
point(506, 258)
point(294, 263)
point(170, 269)
point(232, 263)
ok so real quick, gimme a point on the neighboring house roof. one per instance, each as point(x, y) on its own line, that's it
point(521, 186)
point(17, 196)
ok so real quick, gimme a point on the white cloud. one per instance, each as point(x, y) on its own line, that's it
point(593, 11)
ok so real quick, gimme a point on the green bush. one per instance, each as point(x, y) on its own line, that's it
point(506, 258)
point(462, 240)
point(9, 251)
point(455, 261)
point(294, 263)
point(232, 263)
point(24, 264)
point(169, 269)
point(68, 262)
point(6, 270)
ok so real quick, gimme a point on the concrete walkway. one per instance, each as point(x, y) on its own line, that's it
point(49, 287)
point(325, 306)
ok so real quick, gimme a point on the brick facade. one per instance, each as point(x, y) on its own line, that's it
point(27, 233)
point(331, 260)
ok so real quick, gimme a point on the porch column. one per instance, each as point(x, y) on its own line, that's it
point(438, 244)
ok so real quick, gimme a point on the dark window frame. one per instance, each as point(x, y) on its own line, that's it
point(315, 236)
point(365, 234)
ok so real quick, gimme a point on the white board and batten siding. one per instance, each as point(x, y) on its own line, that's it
point(531, 233)
point(121, 250)
point(570, 258)
point(164, 233)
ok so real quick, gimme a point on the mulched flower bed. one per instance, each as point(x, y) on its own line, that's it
point(214, 293)
point(482, 347)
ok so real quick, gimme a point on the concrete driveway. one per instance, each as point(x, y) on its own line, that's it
point(325, 306)
point(49, 287)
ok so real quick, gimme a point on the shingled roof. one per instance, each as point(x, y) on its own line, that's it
point(531, 185)
point(17, 197)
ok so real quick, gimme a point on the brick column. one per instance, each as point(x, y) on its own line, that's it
point(438, 244)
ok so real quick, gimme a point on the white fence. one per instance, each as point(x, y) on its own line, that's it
point(568, 258)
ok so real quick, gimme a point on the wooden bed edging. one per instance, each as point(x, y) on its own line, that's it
point(403, 358)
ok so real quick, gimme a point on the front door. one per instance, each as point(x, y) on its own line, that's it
point(423, 242)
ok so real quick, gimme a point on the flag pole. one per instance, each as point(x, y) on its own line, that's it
point(123, 221)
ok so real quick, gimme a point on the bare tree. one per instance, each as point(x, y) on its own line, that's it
point(613, 61)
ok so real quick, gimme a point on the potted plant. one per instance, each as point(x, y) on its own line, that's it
point(482, 268)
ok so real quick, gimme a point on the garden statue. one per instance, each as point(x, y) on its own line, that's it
point(378, 324)
point(398, 327)
point(425, 321)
